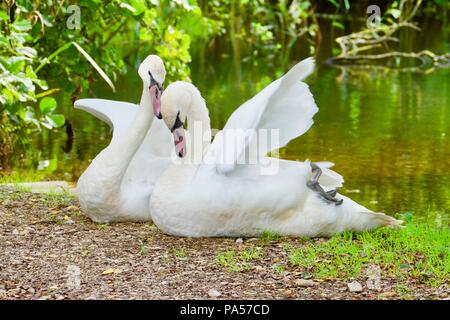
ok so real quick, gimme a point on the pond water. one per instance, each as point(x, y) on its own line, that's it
point(386, 131)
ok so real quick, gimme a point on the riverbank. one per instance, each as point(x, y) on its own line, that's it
point(50, 250)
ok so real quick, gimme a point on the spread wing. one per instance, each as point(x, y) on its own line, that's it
point(118, 115)
point(284, 108)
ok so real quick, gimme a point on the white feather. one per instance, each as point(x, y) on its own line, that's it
point(286, 105)
point(117, 114)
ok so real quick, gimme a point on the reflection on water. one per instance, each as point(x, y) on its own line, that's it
point(387, 132)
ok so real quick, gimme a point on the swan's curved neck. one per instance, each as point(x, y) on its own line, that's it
point(198, 120)
point(122, 152)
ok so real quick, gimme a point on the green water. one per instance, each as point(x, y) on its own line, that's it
point(386, 131)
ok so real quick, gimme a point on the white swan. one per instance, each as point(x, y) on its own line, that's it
point(223, 198)
point(118, 183)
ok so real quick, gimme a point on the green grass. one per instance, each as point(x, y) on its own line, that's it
point(279, 268)
point(421, 251)
point(239, 260)
point(53, 200)
point(268, 236)
point(50, 199)
point(15, 177)
point(180, 253)
point(103, 226)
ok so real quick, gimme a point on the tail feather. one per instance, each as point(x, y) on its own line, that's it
point(383, 220)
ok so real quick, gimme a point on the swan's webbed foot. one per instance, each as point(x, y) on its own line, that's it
point(332, 192)
point(313, 184)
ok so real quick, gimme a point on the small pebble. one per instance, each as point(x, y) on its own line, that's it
point(354, 286)
point(213, 293)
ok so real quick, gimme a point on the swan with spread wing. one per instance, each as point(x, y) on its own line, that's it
point(118, 183)
point(223, 194)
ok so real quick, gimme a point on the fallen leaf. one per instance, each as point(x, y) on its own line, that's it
point(111, 271)
point(389, 294)
point(305, 283)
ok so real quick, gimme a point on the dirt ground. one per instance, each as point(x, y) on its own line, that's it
point(49, 250)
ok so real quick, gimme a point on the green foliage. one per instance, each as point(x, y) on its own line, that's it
point(22, 107)
point(110, 34)
point(263, 28)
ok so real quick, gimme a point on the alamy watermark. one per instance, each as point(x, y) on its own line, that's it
point(73, 273)
point(74, 20)
point(231, 147)
point(374, 19)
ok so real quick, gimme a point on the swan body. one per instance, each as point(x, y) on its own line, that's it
point(118, 183)
point(234, 198)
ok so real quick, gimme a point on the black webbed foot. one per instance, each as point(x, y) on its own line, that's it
point(332, 193)
point(313, 184)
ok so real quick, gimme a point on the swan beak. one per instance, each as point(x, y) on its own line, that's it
point(155, 94)
point(180, 141)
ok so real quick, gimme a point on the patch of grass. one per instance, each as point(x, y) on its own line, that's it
point(16, 177)
point(237, 261)
point(420, 251)
point(180, 253)
point(403, 292)
point(55, 200)
point(103, 226)
point(252, 253)
point(142, 249)
point(54, 217)
point(14, 194)
point(229, 261)
point(279, 268)
point(20, 188)
point(268, 236)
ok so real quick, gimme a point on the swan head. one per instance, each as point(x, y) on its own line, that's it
point(153, 74)
point(175, 104)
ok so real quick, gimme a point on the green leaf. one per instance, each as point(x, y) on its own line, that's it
point(3, 16)
point(22, 25)
point(395, 13)
point(27, 51)
point(54, 54)
point(47, 93)
point(347, 5)
point(47, 105)
point(56, 120)
point(3, 41)
point(136, 6)
point(16, 65)
point(338, 25)
point(30, 116)
point(334, 2)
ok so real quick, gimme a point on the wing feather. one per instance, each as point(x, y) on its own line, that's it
point(118, 115)
point(286, 105)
